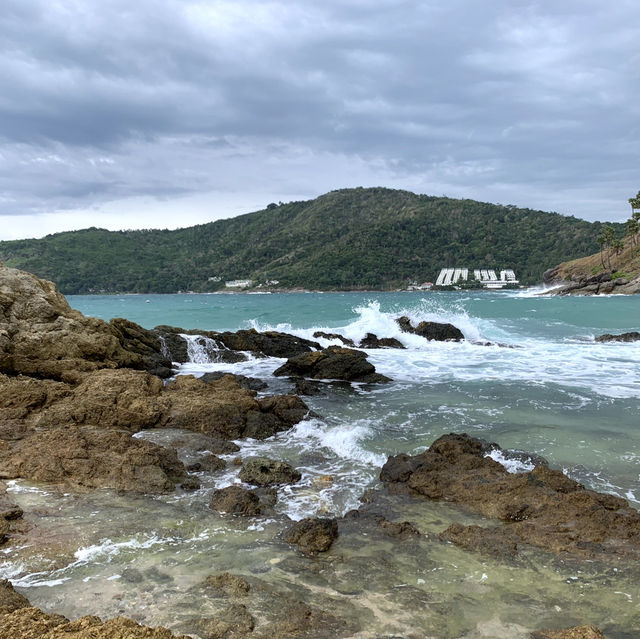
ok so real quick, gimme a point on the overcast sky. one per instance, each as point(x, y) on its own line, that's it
point(167, 113)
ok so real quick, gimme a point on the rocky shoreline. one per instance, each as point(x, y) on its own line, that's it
point(602, 283)
point(75, 392)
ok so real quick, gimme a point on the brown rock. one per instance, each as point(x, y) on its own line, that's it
point(262, 471)
point(226, 584)
point(577, 632)
point(632, 336)
point(10, 600)
point(89, 458)
point(441, 332)
point(544, 508)
point(334, 362)
point(373, 341)
point(313, 535)
point(209, 463)
point(235, 500)
point(33, 623)
point(234, 621)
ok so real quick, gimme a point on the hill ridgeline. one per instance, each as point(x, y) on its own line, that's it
point(362, 238)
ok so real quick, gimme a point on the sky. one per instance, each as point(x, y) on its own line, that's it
point(128, 114)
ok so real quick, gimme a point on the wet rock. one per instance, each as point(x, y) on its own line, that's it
point(345, 340)
point(139, 340)
point(233, 622)
point(313, 535)
point(577, 632)
point(249, 383)
point(132, 576)
point(235, 500)
point(225, 410)
point(221, 446)
point(9, 512)
point(209, 463)
point(190, 483)
point(262, 471)
point(544, 508)
point(228, 585)
point(441, 332)
point(632, 336)
point(10, 600)
point(297, 619)
point(33, 623)
point(305, 387)
point(373, 341)
point(400, 530)
point(334, 362)
point(88, 458)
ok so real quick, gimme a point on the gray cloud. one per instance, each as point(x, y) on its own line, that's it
point(532, 103)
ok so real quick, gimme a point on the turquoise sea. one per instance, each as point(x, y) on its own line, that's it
point(528, 376)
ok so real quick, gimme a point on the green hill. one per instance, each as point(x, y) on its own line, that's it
point(347, 239)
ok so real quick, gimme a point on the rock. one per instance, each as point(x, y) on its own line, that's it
point(296, 619)
point(544, 508)
point(228, 585)
point(262, 471)
point(372, 341)
point(441, 332)
point(313, 535)
point(345, 340)
point(334, 362)
point(401, 530)
point(8, 512)
point(234, 621)
point(41, 336)
point(10, 600)
point(632, 336)
point(190, 483)
point(225, 410)
point(145, 343)
point(248, 383)
point(88, 458)
point(305, 387)
point(209, 463)
point(235, 500)
point(577, 632)
point(33, 623)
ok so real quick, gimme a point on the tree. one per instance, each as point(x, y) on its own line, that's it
point(633, 228)
point(618, 246)
point(606, 239)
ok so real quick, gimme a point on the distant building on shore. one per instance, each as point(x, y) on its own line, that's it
point(239, 283)
point(483, 278)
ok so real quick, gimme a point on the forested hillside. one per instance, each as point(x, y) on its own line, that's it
point(347, 239)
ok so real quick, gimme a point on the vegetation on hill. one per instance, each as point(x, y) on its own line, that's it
point(373, 238)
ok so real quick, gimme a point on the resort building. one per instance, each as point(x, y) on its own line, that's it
point(484, 277)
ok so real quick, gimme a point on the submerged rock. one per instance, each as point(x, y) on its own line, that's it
point(440, 332)
point(543, 507)
point(313, 535)
point(89, 458)
point(228, 585)
point(234, 621)
point(577, 632)
point(334, 362)
point(248, 383)
point(262, 471)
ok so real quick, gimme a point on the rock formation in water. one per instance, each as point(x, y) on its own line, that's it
point(577, 632)
point(438, 331)
point(542, 508)
point(313, 535)
point(632, 336)
point(334, 362)
point(262, 471)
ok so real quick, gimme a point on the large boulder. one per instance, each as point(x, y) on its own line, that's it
point(235, 500)
point(334, 362)
point(543, 507)
point(438, 331)
point(224, 409)
point(88, 458)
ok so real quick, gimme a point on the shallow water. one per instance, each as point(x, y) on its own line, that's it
point(557, 394)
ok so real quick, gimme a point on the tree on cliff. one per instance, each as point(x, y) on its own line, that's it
point(606, 240)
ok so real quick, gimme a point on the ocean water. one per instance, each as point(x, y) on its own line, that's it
point(528, 376)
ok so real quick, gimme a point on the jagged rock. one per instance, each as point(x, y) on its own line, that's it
point(298, 620)
point(228, 585)
point(8, 513)
point(440, 332)
point(544, 508)
point(305, 387)
point(248, 383)
point(33, 623)
point(209, 463)
point(10, 600)
point(577, 632)
point(345, 340)
point(40, 335)
point(190, 483)
point(373, 341)
point(313, 535)
point(632, 336)
point(225, 410)
point(235, 500)
point(334, 362)
point(400, 530)
point(90, 458)
point(234, 621)
point(262, 471)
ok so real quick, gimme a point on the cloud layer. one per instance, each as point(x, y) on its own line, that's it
point(166, 113)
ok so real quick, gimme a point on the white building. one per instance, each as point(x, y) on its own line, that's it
point(484, 277)
point(239, 283)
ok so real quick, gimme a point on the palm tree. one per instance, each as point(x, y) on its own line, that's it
point(618, 246)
